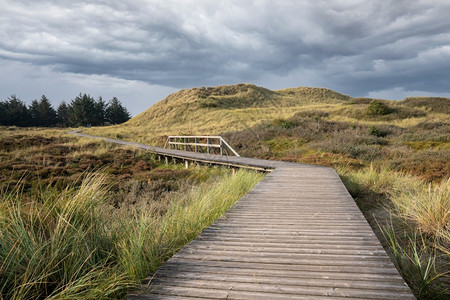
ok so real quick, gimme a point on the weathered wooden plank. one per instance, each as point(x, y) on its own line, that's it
point(201, 293)
point(301, 269)
point(293, 232)
point(276, 289)
point(353, 283)
point(298, 250)
point(323, 260)
point(286, 244)
point(270, 270)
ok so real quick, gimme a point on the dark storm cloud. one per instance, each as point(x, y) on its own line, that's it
point(354, 46)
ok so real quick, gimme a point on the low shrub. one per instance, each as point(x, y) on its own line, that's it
point(377, 108)
point(375, 131)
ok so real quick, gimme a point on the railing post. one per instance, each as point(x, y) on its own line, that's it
point(207, 147)
point(185, 146)
point(221, 146)
point(196, 142)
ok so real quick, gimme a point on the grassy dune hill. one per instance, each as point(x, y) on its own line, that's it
point(214, 110)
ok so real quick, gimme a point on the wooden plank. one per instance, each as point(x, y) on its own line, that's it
point(276, 289)
point(277, 271)
point(323, 260)
point(283, 249)
point(361, 271)
point(283, 281)
point(149, 293)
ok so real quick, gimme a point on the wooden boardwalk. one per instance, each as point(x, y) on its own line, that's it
point(297, 234)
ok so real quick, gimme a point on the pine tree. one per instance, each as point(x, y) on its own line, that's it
point(100, 111)
point(17, 112)
point(33, 111)
point(47, 113)
point(116, 113)
point(63, 114)
point(4, 116)
point(83, 111)
point(42, 113)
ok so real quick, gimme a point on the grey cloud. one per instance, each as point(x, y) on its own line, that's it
point(361, 46)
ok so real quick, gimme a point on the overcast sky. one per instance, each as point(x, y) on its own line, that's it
point(142, 50)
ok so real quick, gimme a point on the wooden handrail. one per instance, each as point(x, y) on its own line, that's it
point(173, 142)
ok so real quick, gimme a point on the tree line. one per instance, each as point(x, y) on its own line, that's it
point(84, 110)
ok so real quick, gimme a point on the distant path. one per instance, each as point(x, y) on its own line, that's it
point(297, 234)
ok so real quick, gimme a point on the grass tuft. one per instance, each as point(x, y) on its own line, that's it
point(416, 260)
point(426, 205)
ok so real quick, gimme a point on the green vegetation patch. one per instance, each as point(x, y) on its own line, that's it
point(378, 108)
point(283, 144)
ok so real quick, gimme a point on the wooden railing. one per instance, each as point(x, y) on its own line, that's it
point(202, 144)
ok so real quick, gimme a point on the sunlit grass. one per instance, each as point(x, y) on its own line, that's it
point(419, 239)
point(66, 245)
point(426, 205)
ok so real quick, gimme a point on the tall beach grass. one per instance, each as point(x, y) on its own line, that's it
point(426, 205)
point(418, 231)
point(66, 245)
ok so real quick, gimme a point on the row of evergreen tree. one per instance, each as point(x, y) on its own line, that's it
point(81, 111)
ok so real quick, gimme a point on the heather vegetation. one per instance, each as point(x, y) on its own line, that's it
point(393, 156)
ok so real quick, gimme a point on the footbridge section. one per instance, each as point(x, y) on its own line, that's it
point(297, 234)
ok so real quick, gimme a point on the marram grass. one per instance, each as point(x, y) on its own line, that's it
point(416, 260)
point(426, 205)
point(421, 249)
point(65, 245)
